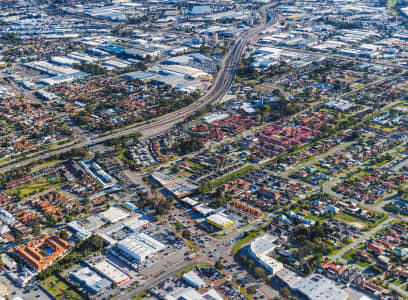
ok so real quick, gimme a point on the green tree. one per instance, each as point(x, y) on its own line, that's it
point(186, 234)
point(285, 292)
point(219, 265)
point(178, 226)
point(63, 234)
point(36, 229)
point(259, 272)
point(95, 241)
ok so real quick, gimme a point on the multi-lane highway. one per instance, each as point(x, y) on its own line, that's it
point(220, 87)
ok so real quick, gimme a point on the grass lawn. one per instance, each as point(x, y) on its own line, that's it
point(357, 86)
point(264, 225)
point(194, 165)
point(121, 154)
point(362, 263)
point(59, 289)
point(185, 173)
point(349, 257)
point(46, 163)
point(398, 282)
point(319, 219)
point(251, 236)
point(349, 254)
point(339, 247)
point(243, 292)
point(142, 295)
point(384, 162)
point(391, 6)
point(365, 224)
point(377, 222)
point(235, 174)
point(39, 185)
point(360, 174)
point(349, 219)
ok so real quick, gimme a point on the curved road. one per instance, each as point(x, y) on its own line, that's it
point(220, 87)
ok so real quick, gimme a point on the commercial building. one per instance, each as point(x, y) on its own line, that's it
point(213, 117)
point(288, 277)
point(179, 60)
point(114, 215)
point(129, 206)
point(192, 294)
point(92, 223)
point(219, 220)
point(163, 179)
point(203, 209)
point(6, 217)
point(41, 253)
point(187, 72)
point(78, 230)
point(137, 223)
point(181, 188)
point(82, 57)
point(140, 247)
point(338, 104)
point(185, 294)
point(96, 172)
point(61, 60)
point(318, 287)
point(94, 283)
point(200, 10)
point(140, 75)
point(190, 202)
point(63, 78)
point(260, 248)
point(113, 273)
point(116, 232)
point(194, 280)
point(142, 52)
point(51, 69)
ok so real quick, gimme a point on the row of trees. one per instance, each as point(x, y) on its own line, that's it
point(257, 271)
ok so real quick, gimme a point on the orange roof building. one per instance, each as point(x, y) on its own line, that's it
point(42, 252)
point(333, 268)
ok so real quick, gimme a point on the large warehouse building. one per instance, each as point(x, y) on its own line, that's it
point(140, 246)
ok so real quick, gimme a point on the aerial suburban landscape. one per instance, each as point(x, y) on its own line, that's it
point(204, 149)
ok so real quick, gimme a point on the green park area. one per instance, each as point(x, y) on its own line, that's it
point(36, 186)
point(59, 289)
